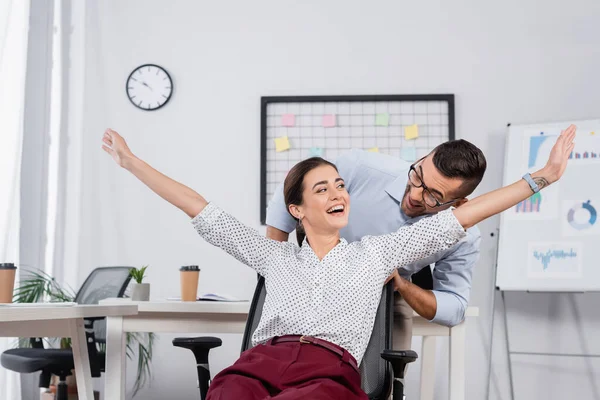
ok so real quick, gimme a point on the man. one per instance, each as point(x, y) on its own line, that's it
point(387, 193)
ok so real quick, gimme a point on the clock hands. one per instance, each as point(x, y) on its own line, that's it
point(145, 84)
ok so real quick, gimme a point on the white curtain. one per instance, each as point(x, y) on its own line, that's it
point(64, 175)
point(14, 23)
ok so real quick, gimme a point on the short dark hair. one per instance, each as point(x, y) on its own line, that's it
point(463, 160)
point(293, 187)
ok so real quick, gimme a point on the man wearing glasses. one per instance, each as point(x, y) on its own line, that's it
point(387, 193)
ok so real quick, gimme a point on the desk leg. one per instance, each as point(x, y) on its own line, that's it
point(114, 377)
point(457, 361)
point(428, 350)
point(81, 359)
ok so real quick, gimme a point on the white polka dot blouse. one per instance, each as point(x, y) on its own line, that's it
point(335, 298)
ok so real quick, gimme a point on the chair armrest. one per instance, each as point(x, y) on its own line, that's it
point(200, 343)
point(200, 346)
point(399, 359)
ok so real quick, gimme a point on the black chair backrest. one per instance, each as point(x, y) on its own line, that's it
point(423, 278)
point(254, 314)
point(103, 283)
point(376, 373)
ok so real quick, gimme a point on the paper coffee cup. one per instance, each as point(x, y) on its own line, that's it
point(188, 276)
point(7, 282)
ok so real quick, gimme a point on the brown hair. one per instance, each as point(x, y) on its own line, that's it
point(293, 188)
point(463, 160)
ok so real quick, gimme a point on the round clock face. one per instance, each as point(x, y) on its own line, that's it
point(149, 87)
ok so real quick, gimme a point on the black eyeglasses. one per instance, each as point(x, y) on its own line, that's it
point(417, 181)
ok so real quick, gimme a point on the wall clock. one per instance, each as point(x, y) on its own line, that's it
point(149, 87)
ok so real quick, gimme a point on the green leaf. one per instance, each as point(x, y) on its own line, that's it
point(138, 274)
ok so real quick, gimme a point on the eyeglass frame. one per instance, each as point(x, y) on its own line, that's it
point(425, 188)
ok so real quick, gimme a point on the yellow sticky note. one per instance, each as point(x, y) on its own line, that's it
point(374, 149)
point(411, 132)
point(592, 133)
point(282, 144)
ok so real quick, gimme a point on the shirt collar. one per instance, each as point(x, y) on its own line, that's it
point(306, 250)
point(397, 188)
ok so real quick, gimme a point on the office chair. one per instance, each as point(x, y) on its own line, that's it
point(101, 283)
point(376, 376)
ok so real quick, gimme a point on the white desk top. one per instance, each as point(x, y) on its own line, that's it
point(237, 307)
point(172, 306)
point(10, 312)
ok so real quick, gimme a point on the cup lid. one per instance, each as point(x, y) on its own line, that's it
point(7, 266)
point(189, 268)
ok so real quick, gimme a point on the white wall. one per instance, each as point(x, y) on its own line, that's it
point(511, 61)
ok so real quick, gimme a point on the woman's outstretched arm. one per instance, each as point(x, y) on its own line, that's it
point(172, 191)
point(444, 229)
point(492, 203)
point(213, 224)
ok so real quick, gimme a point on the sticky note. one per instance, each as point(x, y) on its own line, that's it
point(408, 154)
point(315, 152)
point(329, 121)
point(374, 149)
point(282, 144)
point(411, 132)
point(592, 133)
point(288, 120)
point(382, 119)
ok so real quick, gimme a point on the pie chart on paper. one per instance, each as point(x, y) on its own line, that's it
point(582, 208)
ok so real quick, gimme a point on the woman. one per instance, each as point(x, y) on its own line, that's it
point(325, 292)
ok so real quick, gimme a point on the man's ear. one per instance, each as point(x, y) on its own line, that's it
point(460, 202)
point(295, 211)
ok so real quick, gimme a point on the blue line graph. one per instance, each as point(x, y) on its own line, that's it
point(546, 257)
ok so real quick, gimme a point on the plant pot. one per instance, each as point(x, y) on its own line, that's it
point(140, 292)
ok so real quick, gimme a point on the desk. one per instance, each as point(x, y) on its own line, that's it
point(456, 372)
point(207, 317)
point(60, 321)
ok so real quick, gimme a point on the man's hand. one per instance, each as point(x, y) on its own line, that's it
point(397, 280)
point(421, 300)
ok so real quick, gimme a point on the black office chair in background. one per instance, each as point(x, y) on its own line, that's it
point(102, 283)
point(376, 375)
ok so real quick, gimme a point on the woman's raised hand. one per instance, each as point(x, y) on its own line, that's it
point(115, 145)
point(559, 155)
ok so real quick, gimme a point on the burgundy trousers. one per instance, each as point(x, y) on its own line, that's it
point(289, 370)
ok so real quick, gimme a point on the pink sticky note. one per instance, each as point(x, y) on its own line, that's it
point(328, 120)
point(288, 120)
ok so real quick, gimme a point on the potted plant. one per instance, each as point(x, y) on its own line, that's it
point(40, 286)
point(140, 290)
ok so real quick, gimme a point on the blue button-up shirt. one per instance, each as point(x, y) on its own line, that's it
point(376, 184)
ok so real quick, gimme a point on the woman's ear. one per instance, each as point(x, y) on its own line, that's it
point(295, 211)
